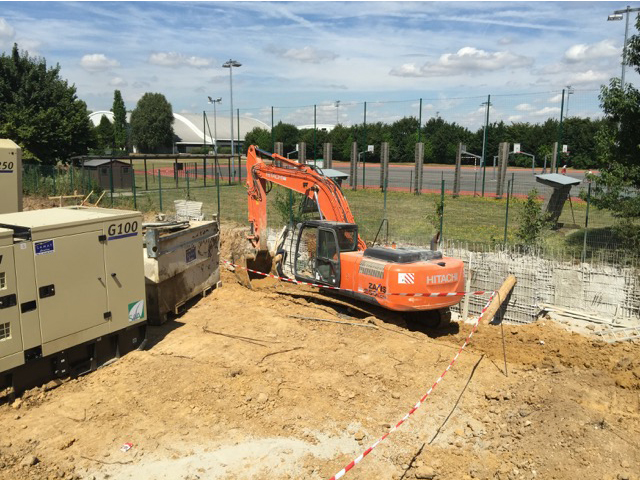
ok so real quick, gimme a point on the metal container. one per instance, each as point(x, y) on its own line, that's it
point(71, 291)
point(181, 261)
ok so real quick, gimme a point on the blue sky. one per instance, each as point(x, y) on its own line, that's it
point(297, 54)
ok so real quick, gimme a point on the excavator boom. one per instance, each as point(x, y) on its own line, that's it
point(295, 176)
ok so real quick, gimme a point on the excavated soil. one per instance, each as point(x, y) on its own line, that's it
point(237, 388)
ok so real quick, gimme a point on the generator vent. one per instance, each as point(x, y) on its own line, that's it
point(3, 281)
point(373, 269)
point(5, 331)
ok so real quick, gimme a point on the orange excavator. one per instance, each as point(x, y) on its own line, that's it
point(330, 252)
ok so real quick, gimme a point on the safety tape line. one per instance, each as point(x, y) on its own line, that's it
point(290, 280)
point(357, 460)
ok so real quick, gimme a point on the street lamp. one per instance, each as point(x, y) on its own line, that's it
point(215, 123)
point(337, 111)
point(230, 64)
point(617, 15)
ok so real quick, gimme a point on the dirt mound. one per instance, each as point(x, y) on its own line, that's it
point(238, 388)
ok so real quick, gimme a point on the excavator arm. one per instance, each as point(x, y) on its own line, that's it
point(301, 178)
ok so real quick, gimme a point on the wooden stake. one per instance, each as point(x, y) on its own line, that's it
point(498, 299)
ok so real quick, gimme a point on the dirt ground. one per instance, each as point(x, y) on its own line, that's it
point(237, 388)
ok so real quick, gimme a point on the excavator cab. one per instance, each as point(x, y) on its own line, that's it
point(320, 242)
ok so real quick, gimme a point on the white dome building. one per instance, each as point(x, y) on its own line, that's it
point(189, 129)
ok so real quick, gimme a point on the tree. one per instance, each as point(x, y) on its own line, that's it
point(260, 137)
point(151, 124)
point(533, 221)
point(119, 122)
point(40, 111)
point(103, 135)
point(287, 134)
point(618, 143)
point(404, 135)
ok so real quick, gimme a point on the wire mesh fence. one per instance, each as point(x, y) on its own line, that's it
point(581, 231)
point(480, 201)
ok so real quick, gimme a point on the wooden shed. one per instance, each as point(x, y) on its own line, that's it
point(100, 171)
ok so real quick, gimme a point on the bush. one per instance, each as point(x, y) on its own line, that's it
point(533, 221)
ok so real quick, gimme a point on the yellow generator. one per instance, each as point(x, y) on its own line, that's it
point(72, 293)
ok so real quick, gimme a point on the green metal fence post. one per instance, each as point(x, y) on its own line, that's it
point(441, 210)
point(315, 127)
point(133, 184)
point(217, 167)
point(160, 188)
point(273, 139)
point(175, 170)
point(290, 207)
point(71, 175)
point(111, 181)
point(146, 181)
point(364, 144)
point(506, 217)
point(204, 170)
point(586, 226)
point(239, 152)
point(559, 134)
point(188, 189)
point(420, 123)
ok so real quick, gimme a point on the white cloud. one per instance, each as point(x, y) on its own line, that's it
point(590, 76)
point(556, 98)
point(548, 111)
point(586, 52)
point(305, 54)
point(465, 60)
point(524, 107)
point(118, 82)
point(98, 62)
point(6, 30)
point(505, 41)
point(514, 118)
point(173, 59)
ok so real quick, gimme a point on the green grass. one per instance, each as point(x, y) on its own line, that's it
point(466, 219)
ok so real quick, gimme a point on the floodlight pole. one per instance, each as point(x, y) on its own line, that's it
point(484, 143)
point(230, 64)
point(569, 92)
point(617, 15)
point(215, 122)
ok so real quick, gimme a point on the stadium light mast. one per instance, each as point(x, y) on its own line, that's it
point(215, 123)
point(617, 16)
point(230, 64)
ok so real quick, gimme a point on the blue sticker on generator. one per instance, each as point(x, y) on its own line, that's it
point(44, 247)
point(191, 254)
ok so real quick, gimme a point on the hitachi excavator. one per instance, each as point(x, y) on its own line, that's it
point(330, 252)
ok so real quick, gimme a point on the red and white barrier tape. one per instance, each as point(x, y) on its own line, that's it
point(357, 460)
point(297, 282)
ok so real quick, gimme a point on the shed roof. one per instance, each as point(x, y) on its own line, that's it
point(98, 162)
point(557, 180)
point(332, 173)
